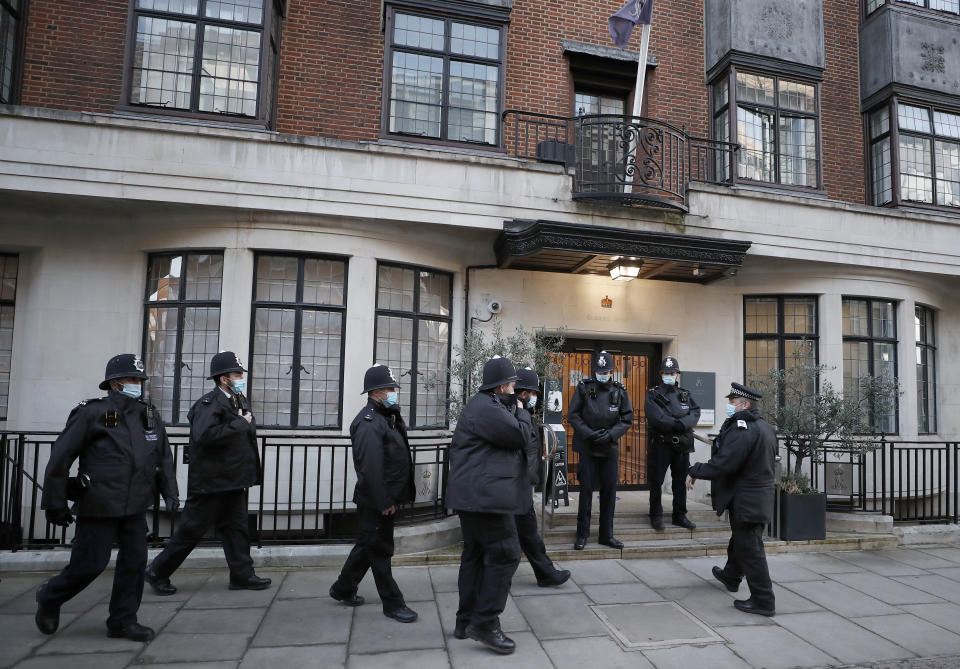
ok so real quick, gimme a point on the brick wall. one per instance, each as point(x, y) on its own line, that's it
point(74, 54)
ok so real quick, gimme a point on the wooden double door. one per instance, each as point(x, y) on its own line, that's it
point(634, 362)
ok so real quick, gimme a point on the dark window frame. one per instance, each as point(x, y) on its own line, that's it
point(181, 305)
point(926, 347)
point(447, 55)
point(780, 336)
point(21, 16)
point(299, 306)
point(4, 408)
point(416, 316)
point(871, 339)
point(267, 84)
point(730, 74)
point(916, 4)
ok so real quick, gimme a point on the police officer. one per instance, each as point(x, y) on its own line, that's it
point(489, 486)
point(381, 456)
point(124, 457)
point(741, 474)
point(671, 414)
point(600, 414)
point(224, 463)
point(528, 389)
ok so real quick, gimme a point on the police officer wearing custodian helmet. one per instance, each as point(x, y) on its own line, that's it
point(224, 463)
point(600, 413)
point(124, 457)
point(671, 414)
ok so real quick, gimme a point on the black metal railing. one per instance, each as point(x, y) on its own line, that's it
point(306, 496)
point(624, 159)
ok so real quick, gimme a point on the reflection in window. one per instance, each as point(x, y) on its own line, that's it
point(870, 349)
point(925, 336)
point(11, 28)
point(8, 294)
point(780, 331)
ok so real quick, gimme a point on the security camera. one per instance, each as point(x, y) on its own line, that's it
point(494, 306)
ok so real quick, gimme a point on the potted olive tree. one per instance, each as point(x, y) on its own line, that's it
point(810, 415)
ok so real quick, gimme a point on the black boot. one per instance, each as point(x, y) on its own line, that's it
point(684, 522)
point(133, 631)
point(494, 639)
point(612, 543)
point(656, 522)
point(48, 616)
point(579, 543)
point(252, 582)
point(750, 606)
point(349, 600)
point(558, 577)
point(460, 631)
point(401, 614)
point(161, 586)
point(730, 584)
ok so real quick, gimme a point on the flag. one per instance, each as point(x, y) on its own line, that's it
point(635, 12)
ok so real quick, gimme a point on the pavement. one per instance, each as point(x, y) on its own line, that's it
point(889, 609)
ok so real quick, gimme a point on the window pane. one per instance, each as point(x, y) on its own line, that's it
point(173, 6)
point(231, 71)
point(395, 288)
point(612, 105)
point(755, 132)
point(761, 315)
point(8, 53)
point(926, 384)
point(884, 324)
point(434, 293)
point(163, 281)
point(952, 6)
point(884, 365)
point(323, 281)
point(880, 122)
point(799, 315)
point(6, 356)
point(948, 173)
point(586, 105)
point(418, 31)
point(913, 118)
point(272, 366)
point(160, 358)
point(395, 348)
point(433, 341)
point(761, 357)
point(801, 352)
point(798, 151)
point(923, 321)
point(276, 279)
point(721, 132)
point(855, 318)
point(8, 277)
point(242, 11)
point(204, 277)
point(720, 94)
point(415, 94)
point(201, 339)
point(469, 40)
point(856, 365)
point(474, 107)
point(754, 89)
point(880, 168)
point(321, 340)
point(873, 5)
point(797, 96)
point(163, 63)
point(916, 183)
point(947, 125)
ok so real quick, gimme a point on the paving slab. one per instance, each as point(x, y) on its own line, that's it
point(560, 616)
point(659, 573)
point(953, 573)
point(93, 594)
point(170, 647)
point(525, 583)
point(593, 652)
point(470, 654)
point(945, 615)
point(19, 635)
point(227, 621)
point(839, 598)
point(90, 661)
point(820, 563)
point(188, 583)
point(444, 578)
point(227, 664)
point(331, 656)
point(306, 622)
point(215, 593)
point(88, 633)
point(877, 563)
point(702, 567)
point(774, 648)
point(404, 659)
point(886, 589)
point(307, 583)
point(788, 571)
point(949, 554)
point(374, 632)
point(939, 586)
point(593, 572)
point(714, 656)
point(916, 558)
point(713, 606)
point(913, 633)
point(511, 620)
point(620, 593)
point(787, 601)
point(414, 583)
point(14, 585)
point(841, 638)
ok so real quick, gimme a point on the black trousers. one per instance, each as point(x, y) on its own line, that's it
point(491, 554)
point(89, 557)
point(227, 511)
point(747, 559)
point(596, 473)
point(663, 455)
point(373, 551)
point(532, 545)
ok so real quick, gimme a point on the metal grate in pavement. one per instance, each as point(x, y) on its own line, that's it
point(654, 625)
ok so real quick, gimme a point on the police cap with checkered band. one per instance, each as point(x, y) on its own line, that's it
point(737, 390)
point(123, 366)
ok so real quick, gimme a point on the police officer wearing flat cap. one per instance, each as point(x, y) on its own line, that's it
point(600, 413)
point(489, 485)
point(741, 473)
point(671, 414)
point(528, 390)
point(124, 458)
point(224, 463)
point(381, 456)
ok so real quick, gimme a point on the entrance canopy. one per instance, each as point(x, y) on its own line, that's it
point(570, 248)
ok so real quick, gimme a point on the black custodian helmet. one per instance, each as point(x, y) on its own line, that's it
point(527, 379)
point(377, 377)
point(120, 367)
point(669, 366)
point(603, 363)
point(498, 371)
point(225, 362)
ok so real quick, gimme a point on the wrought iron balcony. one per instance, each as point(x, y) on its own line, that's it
point(621, 159)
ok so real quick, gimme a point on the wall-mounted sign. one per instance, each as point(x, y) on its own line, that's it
point(838, 478)
point(703, 388)
point(606, 303)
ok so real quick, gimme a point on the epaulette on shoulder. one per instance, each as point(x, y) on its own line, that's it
point(84, 403)
point(741, 424)
point(588, 379)
point(206, 399)
point(368, 415)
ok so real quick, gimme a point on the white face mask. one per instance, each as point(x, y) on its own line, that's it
point(603, 378)
point(731, 409)
point(133, 390)
point(669, 379)
point(532, 402)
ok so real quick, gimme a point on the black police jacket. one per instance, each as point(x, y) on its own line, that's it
point(671, 414)
point(223, 446)
point(597, 406)
point(533, 448)
point(741, 468)
point(125, 459)
point(488, 464)
point(382, 458)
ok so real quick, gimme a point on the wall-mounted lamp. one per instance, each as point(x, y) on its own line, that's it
point(699, 272)
point(625, 269)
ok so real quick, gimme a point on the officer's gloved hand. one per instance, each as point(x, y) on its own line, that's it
point(172, 504)
point(678, 425)
point(61, 517)
point(600, 437)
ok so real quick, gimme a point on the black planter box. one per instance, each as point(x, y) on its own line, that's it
point(803, 517)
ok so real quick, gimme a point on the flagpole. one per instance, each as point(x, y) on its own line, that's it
point(638, 89)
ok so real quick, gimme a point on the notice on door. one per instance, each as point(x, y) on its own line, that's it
point(703, 389)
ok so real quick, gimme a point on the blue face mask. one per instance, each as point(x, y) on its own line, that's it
point(131, 390)
point(603, 378)
point(392, 398)
point(239, 386)
point(731, 409)
point(669, 379)
point(532, 402)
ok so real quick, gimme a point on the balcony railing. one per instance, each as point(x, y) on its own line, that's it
point(621, 159)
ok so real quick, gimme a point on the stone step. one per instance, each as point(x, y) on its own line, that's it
point(568, 516)
point(625, 531)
